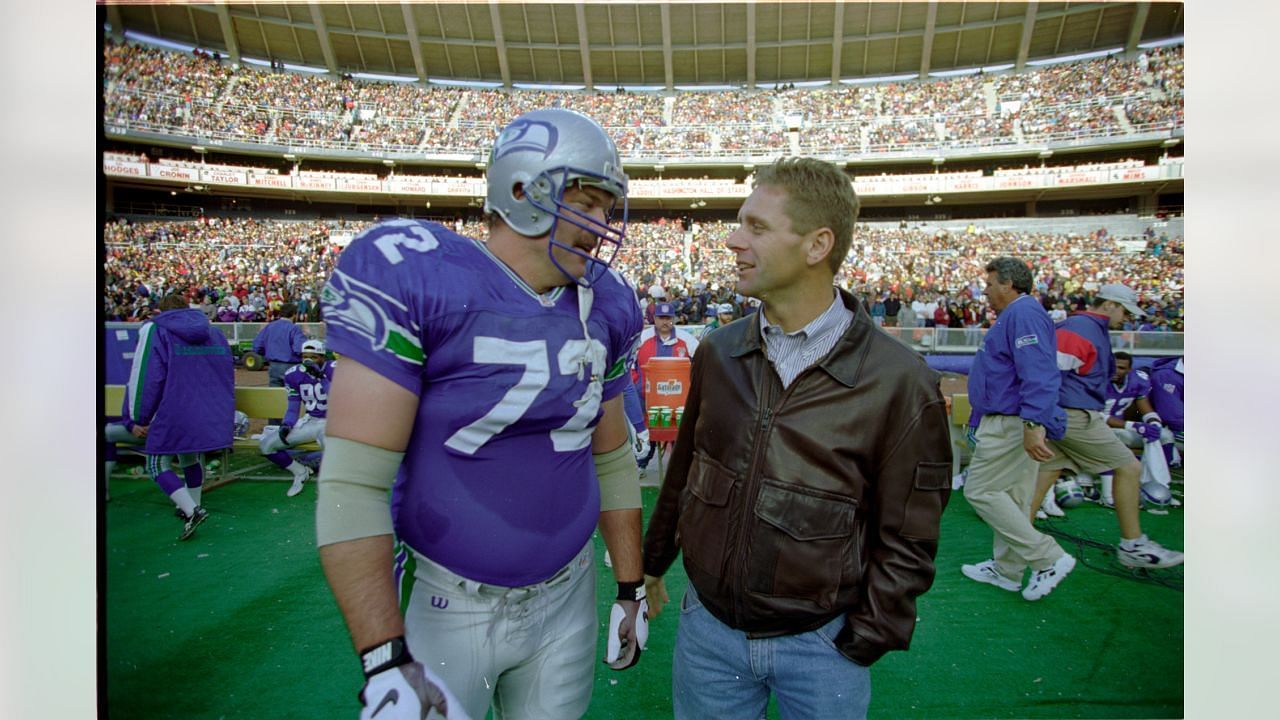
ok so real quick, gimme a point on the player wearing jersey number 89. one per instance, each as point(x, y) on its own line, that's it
point(308, 386)
point(481, 383)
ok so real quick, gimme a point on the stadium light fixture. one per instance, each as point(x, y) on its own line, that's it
point(938, 160)
point(290, 157)
point(199, 149)
point(1170, 142)
point(1046, 154)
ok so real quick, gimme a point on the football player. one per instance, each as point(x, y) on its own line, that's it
point(481, 383)
point(1167, 384)
point(180, 393)
point(1129, 387)
point(308, 387)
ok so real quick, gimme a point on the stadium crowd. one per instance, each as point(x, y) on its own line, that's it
point(196, 94)
point(247, 269)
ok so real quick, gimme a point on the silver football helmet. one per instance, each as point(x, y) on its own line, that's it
point(1068, 493)
point(315, 347)
point(241, 424)
point(545, 152)
point(1153, 493)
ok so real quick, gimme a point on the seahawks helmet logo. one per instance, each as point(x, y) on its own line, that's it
point(525, 136)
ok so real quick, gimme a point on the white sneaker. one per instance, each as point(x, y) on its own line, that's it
point(1049, 506)
point(985, 572)
point(1148, 554)
point(298, 479)
point(1043, 582)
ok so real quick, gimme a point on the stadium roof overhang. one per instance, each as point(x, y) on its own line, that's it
point(659, 45)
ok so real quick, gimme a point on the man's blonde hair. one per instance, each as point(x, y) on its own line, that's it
point(819, 195)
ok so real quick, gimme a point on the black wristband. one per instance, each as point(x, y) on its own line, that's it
point(633, 591)
point(384, 656)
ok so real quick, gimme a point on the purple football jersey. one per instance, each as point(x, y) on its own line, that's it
point(498, 483)
point(1136, 385)
point(308, 393)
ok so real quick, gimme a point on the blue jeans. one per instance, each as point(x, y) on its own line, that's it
point(718, 672)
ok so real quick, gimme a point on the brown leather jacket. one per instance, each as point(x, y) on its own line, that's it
point(794, 505)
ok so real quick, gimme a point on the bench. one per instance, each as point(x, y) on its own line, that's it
point(260, 403)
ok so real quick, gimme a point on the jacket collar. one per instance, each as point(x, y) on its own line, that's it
point(844, 362)
point(1102, 320)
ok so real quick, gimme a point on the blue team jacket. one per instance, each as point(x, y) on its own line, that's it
point(1015, 371)
point(1085, 359)
point(280, 341)
point(182, 384)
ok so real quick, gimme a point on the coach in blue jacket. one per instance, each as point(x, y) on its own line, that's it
point(280, 343)
point(181, 395)
point(1013, 388)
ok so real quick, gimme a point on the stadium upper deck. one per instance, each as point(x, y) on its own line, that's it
point(156, 94)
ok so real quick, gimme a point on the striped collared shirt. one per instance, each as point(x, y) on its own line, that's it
point(793, 353)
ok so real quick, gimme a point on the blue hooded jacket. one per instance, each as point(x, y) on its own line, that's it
point(182, 384)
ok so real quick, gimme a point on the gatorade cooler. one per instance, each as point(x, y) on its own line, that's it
point(666, 385)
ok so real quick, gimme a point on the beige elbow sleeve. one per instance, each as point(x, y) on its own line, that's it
point(353, 501)
point(619, 479)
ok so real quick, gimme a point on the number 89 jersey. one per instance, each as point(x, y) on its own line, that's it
point(497, 484)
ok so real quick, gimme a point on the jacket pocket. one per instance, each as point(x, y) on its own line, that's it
point(705, 519)
point(803, 544)
point(929, 492)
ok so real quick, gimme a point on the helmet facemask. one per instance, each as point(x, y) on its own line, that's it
point(546, 193)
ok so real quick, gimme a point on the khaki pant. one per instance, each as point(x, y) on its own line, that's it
point(1090, 445)
point(1001, 481)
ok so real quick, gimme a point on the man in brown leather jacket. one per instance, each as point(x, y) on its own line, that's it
point(807, 482)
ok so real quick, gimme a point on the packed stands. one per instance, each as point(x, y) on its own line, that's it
point(155, 90)
point(266, 262)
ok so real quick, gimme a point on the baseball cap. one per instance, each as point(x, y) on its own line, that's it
point(1123, 295)
point(725, 308)
point(664, 309)
point(657, 292)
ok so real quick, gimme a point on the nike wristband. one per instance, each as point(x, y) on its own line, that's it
point(632, 591)
point(384, 656)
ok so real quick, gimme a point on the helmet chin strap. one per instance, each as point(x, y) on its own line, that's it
point(586, 296)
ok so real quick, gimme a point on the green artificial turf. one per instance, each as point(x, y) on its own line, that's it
point(238, 623)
